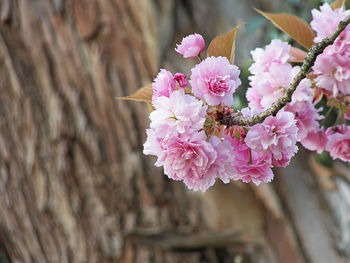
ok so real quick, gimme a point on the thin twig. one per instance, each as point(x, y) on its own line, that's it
point(309, 61)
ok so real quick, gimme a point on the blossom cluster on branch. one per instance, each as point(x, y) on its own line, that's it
point(193, 143)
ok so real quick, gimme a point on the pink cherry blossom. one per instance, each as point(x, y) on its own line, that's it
point(268, 87)
point(276, 52)
point(283, 162)
point(333, 73)
point(181, 80)
point(223, 167)
point(315, 141)
point(271, 76)
point(191, 46)
point(215, 80)
point(163, 84)
point(326, 20)
point(254, 98)
point(307, 117)
point(303, 92)
point(179, 112)
point(338, 142)
point(276, 135)
point(332, 67)
point(250, 165)
point(341, 47)
point(186, 157)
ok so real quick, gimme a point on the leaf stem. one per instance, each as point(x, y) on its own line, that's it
point(327, 115)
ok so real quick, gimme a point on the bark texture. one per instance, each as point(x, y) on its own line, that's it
point(74, 186)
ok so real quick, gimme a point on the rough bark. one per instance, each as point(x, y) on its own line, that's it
point(74, 186)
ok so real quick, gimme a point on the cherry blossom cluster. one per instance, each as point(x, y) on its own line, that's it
point(192, 145)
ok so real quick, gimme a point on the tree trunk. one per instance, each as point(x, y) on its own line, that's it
point(74, 185)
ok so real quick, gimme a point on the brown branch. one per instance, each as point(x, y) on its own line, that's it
point(308, 62)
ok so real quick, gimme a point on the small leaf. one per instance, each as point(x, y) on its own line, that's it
point(237, 134)
point(224, 45)
point(150, 107)
point(318, 94)
point(188, 91)
point(295, 27)
point(143, 94)
point(297, 54)
point(338, 4)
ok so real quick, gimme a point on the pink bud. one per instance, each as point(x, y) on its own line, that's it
point(191, 46)
point(163, 84)
point(181, 80)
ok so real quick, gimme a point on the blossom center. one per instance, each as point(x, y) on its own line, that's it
point(338, 74)
point(187, 152)
point(219, 85)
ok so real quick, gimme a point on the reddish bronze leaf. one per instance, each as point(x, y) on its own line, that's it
point(338, 4)
point(224, 45)
point(143, 94)
point(294, 26)
point(298, 54)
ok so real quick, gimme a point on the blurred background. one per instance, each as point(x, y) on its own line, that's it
point(74, 184)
